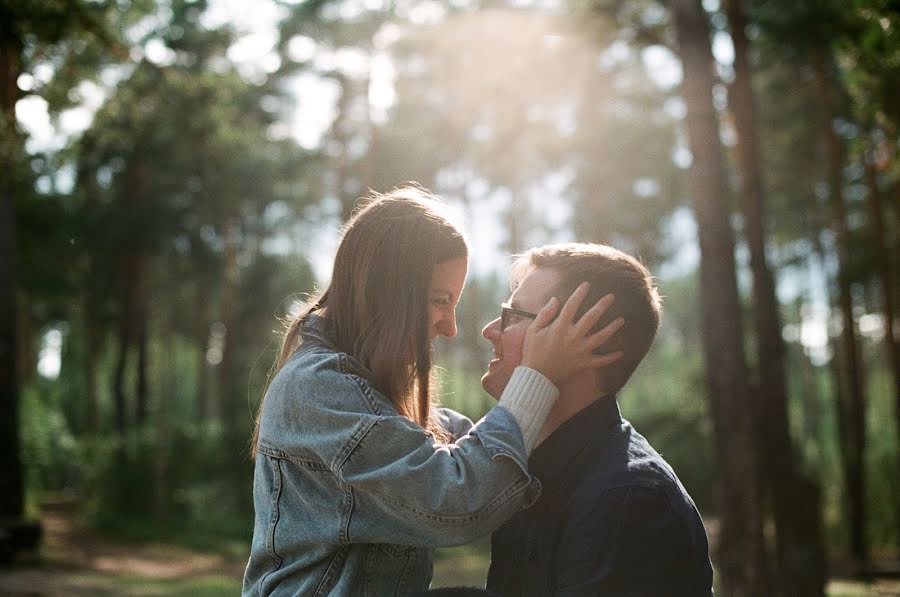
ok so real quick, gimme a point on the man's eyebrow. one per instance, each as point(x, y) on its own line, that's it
point(435, 291)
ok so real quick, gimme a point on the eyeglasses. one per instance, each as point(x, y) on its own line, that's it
point(507, 312)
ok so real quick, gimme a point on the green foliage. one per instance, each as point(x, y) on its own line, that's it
point(49, 448)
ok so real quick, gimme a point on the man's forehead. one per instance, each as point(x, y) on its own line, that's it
point(533, 288)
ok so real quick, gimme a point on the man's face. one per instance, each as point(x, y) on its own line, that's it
point(531, 295)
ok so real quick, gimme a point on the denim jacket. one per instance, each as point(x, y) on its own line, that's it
point(351, 497)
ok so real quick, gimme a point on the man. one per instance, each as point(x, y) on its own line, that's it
point(612, 518)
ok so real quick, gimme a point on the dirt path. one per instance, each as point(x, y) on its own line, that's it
point(75, 561)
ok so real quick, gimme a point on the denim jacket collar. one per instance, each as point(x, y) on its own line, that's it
point(320, 329)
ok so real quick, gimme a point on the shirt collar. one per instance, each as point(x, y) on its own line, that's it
point(591, 426)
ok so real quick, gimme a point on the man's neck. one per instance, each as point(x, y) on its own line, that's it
point(574, 397)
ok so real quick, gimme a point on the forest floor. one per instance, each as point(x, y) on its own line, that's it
point(74, 561)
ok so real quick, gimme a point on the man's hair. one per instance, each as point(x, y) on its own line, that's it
point(608, 270)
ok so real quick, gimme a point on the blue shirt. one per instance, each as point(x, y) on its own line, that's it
point(612, 519)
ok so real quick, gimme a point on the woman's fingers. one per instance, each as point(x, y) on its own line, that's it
point(593, 315)
point(545, 315)
point(567, 315)
point(605, 359)
point(601, 336)
point(559, 347)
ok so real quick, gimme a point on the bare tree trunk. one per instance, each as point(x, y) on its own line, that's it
point(854, 403)
point(798, 570)
point(201, 340)
point(897, 219)
point(741, 554)
point(11, 477)
point(26, 363)
point(229, 316)
point(91, 360)
point(141, 339)
point(886, 278)
point(11, 483)
point(139, 312)
point(162, 428)
point(125, 341)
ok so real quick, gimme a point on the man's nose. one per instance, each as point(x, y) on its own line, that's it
point(492, 330)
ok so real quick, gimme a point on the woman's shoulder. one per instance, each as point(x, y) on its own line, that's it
point(318, 376)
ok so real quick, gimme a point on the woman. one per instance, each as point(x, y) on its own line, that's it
point(357, 477)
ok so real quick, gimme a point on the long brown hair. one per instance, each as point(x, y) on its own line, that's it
point(377, 301)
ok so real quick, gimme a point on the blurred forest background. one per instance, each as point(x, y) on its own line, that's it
point(174, 174)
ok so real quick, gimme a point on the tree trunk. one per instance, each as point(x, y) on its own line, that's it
point(741, 554)
point(162, 449)
point(886, 279)
point(201, 341)
point(229, 318)
point(26, 347)
point(93, 347)
point(11, 477)
point(798, 570)
point(141, 339)
point(853, 407)
point(125, 341)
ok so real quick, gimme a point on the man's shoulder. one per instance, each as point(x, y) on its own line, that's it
point(630, 465)
point(626, 459)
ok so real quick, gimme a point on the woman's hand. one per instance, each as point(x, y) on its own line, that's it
point(561, 347)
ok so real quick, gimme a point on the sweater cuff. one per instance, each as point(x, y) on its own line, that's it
point(529, 396)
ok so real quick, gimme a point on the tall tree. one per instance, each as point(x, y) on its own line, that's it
point(887, 282)
point(851, 409)
point(11, 483)
point(869, 49)
point(800, 565)
point(742, 560)
point(43, 25)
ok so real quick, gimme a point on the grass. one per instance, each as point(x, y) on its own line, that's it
point(202, 586)
point(466, 565)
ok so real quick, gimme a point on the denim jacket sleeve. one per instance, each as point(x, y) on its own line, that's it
point(455, 423)
point(403, 486)
point(432, 494)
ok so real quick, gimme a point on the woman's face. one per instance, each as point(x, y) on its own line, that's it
point(447, 282)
